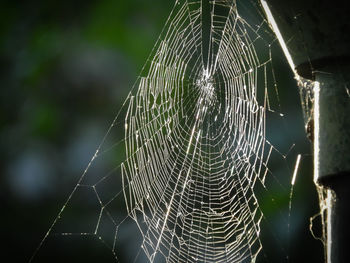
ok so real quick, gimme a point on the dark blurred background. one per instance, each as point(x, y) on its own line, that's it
point(66, 68)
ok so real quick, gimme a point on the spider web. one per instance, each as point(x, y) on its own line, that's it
point(196, 148)
point(196, 140)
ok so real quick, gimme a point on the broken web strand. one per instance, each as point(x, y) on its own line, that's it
point(211, 128)
point(307, 90)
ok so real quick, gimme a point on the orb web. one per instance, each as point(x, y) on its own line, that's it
point(195, 139)
point(198, 146)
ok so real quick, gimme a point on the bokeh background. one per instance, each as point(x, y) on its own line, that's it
point(66, 68)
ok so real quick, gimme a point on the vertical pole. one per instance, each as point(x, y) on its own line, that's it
point(332, 156)
point(318, 34)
